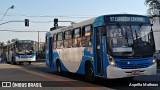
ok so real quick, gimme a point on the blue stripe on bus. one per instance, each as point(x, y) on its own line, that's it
point(26, 56)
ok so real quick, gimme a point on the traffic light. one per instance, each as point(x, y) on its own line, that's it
point(56, 22)
point(26, 21)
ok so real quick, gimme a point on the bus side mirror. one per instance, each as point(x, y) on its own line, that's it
point(151, 24)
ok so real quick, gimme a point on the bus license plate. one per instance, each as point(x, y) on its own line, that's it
point(136, 72)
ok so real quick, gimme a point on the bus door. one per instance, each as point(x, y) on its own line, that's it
point(50, 51)
point(99, 50)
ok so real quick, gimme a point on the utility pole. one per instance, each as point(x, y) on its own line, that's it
point(12, 7)
point(38, 40)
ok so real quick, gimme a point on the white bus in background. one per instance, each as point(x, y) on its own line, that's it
point(21, 51)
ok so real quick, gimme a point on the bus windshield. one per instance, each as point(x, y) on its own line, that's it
point(24, 47)
point(130, 40)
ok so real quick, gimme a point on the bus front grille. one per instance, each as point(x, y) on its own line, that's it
point(132, 65)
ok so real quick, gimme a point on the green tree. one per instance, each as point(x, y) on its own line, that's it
point(13, 40)
point(1, 47)
point(153, 7)
point(8, 41)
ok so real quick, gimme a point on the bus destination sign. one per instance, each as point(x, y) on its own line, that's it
point(127, 19)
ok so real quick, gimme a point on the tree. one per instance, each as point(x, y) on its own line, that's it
point(1, 44)
point(8, 41)
point(13, 40)
point(1, 47)
point(154, 7)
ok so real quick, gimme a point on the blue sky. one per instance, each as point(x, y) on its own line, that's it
point(62, 9)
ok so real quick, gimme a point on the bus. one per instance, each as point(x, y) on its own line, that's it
point(20, 51)
point(108, 46)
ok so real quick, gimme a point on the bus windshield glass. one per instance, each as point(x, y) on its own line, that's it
point(24, 47)
point(130, 40)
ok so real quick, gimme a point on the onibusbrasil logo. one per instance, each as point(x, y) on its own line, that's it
point(21, 84)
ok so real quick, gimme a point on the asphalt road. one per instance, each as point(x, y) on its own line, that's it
point(38, 72)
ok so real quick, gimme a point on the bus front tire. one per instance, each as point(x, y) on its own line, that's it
point(89, 73)
point(29, 62)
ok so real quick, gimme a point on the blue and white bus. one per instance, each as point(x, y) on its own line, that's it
point(20, 51)
point(109, 46)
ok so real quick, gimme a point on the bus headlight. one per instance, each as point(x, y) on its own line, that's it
point(153, 61)
point(111, 61)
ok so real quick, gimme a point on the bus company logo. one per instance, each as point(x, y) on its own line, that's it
point(128, 62)
point(6, 84)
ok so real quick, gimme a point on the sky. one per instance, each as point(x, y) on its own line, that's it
point(41, 14)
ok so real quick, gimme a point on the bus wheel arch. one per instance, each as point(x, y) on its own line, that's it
point(89, 71)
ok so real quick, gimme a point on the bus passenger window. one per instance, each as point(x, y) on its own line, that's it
point(67, 39)
point(86, 36)
point(76, 37)
point(60, 40)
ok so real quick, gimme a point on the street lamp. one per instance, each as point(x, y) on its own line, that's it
point(12, 7)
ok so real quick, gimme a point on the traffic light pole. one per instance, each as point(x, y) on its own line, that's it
point(14, 21)
point(68, 21)
point(10, 21)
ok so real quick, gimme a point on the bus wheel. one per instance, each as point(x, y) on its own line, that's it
point(89, 73)
point(29, 62)
point(59, 70)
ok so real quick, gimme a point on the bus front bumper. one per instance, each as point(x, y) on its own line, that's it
point(114, 72)
point(25, 59)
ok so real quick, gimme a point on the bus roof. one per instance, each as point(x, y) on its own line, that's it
point(84, 23)
point(94, 20)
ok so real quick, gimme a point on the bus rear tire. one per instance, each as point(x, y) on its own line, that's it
point(59, 69)
point(89, 73)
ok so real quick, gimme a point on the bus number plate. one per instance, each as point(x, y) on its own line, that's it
point(136, 72)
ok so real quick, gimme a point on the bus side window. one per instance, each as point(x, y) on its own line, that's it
point(86, 36)
point(60, 40)
point(76, 37)
point(67, 39)
point(54, 41)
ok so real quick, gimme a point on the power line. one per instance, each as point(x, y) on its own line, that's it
point(19, 31)
point(32, 21)
point(58, 16)
point(41, 21)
